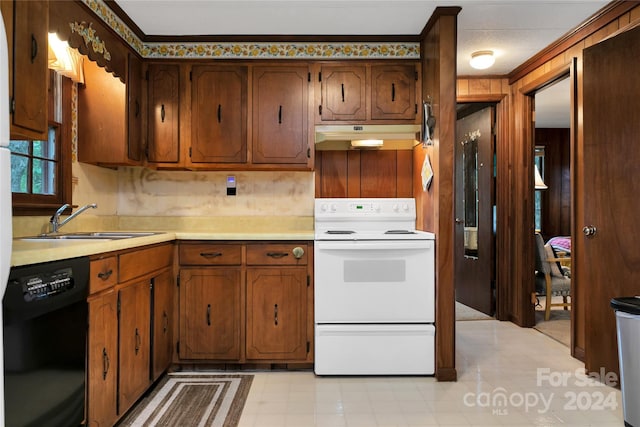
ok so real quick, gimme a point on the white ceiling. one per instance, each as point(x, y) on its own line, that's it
point(514, 29)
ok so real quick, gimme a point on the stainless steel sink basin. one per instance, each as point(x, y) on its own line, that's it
point(92, 235)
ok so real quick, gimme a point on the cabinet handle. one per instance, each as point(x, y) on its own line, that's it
point(162, 113)
point(137, 341)
point(277, 255)
point(165, 323)
point(275, 314)
point(105, 363)
point(393, 92)
point(137, 109)
point(280, 114)
point(34, 48)
point(297, 252)
point(210, 254)
point(105, 275)
point(342, 91)
point(219, 113)
point(208, 314)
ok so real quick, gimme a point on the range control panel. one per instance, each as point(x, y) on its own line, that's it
point(44, 285)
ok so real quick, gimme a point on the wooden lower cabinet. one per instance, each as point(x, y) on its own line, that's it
point(102, 372)
point(134, 343)
point(210, 306)
point(162, 300)
point(130, 318)
point(277, 313)
point(246, 302)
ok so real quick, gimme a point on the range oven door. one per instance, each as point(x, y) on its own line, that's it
point(386, 281)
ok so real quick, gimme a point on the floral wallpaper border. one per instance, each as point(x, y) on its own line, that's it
point(253, 50)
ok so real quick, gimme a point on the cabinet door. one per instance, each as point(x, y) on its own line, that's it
point(218, 114)
point(343, 93)
point(102, 135)
point(134, 108)
point(280, 115)
point(162, 321)
point(29, 107)
point(134, 343)
point(210, 313)
point(102, 360)
point(277, 313)
point(163, 133)
point(393, 92)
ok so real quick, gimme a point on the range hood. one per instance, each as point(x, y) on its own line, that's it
point(380, 137)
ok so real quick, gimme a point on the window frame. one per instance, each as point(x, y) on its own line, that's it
point(44, 204)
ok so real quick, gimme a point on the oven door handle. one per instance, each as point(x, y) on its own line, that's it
point(374, 245)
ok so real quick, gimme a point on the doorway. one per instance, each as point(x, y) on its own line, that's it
point(475, 206)
point(552, 197)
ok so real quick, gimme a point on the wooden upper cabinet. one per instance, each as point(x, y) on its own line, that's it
point(280, 115)
point(108, 131)
point(218, 114)
point(343, 93)
point(29, 91)
point(164, 114)
point(134, 108)
point(393, 92)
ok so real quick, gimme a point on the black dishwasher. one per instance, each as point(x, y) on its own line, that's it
point(45, 334)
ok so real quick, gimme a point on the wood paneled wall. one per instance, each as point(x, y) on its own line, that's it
point(367, 173)
point(514, 240)
point(556, 199)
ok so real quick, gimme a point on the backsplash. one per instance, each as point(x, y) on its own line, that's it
point(146, 192)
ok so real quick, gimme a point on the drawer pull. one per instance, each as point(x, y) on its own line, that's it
point(208, 314)
point(104, 275)
point(210, 254)
point(297, 252)
point(277, 255)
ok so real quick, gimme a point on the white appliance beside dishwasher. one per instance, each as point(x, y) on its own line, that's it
point(374, 288)
point(5, 188)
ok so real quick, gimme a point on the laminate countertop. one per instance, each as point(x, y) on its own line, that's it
point(25, 252)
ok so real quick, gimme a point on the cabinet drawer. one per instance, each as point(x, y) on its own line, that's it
point(277, 254)
point(210, 254)
point(144, 261)
point(103, 274)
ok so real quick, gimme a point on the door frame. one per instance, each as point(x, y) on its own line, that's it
point(503, 200)
point(527, 262)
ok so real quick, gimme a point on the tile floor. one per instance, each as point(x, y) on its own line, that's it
point(507, 376)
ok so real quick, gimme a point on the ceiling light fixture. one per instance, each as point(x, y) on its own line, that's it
point(482, 59)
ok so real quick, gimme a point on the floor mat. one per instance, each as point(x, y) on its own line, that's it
point(192, 399)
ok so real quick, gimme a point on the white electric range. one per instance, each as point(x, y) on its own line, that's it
point(374, 288)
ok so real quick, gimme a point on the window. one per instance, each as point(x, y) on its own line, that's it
point(41, 170)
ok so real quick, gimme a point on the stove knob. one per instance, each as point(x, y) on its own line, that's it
point(334, 207)
point(395, 208)
point(405, 207)
point(323, 207)
point(376, 207)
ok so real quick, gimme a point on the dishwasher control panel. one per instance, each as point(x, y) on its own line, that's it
point(47, 284)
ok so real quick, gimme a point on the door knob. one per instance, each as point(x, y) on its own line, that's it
point(589, 230)
point(459, 221)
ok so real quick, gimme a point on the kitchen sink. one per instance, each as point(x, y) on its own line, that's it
point(92, 235)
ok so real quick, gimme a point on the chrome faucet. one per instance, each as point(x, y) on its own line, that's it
point(55, 218)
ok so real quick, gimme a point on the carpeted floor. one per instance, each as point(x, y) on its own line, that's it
point(192, 399)
point(557, 327)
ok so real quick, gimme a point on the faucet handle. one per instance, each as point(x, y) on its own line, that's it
point(59, 211)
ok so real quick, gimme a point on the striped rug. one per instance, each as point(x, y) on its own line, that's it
point(192, 399)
